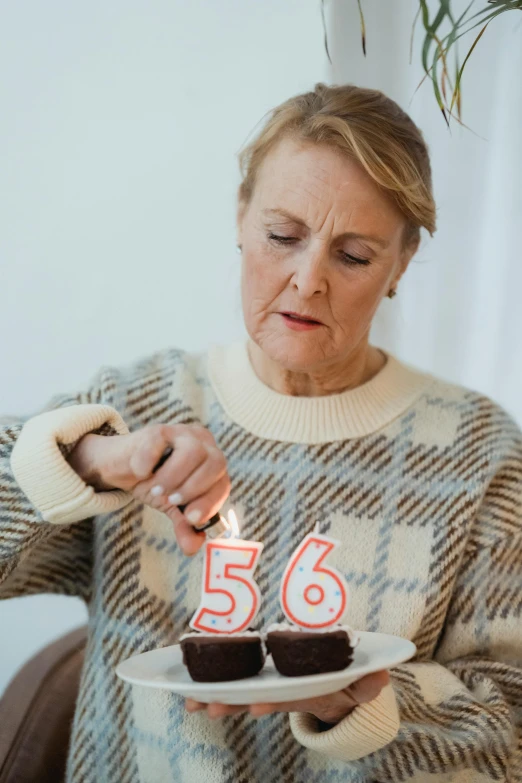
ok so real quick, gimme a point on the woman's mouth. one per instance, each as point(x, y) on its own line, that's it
point(299, 323)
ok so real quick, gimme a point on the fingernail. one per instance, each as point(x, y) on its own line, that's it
point(175, 499)
point(157, 490)
point(194, 516)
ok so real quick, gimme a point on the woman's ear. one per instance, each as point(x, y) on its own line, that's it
point(411, 249)
point(240, 214)
point(406, 256)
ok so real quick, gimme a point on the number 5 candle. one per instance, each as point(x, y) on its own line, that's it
point(230, 598)
point(313, 595)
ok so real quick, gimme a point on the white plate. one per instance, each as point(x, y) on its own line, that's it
point(163, 668)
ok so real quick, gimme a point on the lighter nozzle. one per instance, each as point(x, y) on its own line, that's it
point(219, 529)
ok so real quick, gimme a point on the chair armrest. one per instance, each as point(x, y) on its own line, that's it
point(36, 712)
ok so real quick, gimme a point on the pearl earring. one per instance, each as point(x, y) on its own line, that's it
point(238, 248)
point(391, 293)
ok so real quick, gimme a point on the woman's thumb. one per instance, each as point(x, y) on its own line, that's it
point(368, 688)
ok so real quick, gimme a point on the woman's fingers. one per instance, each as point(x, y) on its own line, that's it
point(215, 709)
point(335, 706)
point(188, 454)
point(331, 708)
point(202, 478)
point(194, 476)
point(368, 687)
point(200, 432)
point(222, 710)
point(258, 710)
point(148, 446)
point(128, 462)
point(191, 705)
point(189, 540)
point(201, 508)
point(187, 535)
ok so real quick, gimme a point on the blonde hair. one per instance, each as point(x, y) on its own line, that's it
point(370, 128)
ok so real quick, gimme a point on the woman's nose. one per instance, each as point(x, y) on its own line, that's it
point(310, 272)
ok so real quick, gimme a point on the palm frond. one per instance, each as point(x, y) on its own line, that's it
point(436, 45)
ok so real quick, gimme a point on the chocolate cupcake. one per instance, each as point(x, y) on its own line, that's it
point(297, 653)
point(220, 657)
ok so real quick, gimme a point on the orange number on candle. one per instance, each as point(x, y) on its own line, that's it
point(229, 601)
point(312, 595)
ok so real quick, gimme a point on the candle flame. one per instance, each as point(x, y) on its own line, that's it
point(234, 527)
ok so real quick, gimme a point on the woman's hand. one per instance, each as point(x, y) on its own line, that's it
point(195, 475)
point(329, 709)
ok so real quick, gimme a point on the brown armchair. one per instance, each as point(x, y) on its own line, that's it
point(36, 713)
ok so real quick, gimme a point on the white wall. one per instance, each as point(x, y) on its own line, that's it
point(120, 125)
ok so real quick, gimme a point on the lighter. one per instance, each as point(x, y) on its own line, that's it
point(217, 526)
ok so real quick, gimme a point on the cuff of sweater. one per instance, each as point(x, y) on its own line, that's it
point(368, 728)
point(45, 476)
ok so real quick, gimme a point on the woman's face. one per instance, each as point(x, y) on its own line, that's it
point(319, 239)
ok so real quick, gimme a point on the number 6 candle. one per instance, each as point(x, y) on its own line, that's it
point(313, 595)
point(230, 598)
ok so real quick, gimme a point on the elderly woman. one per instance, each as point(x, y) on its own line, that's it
point(421, 481)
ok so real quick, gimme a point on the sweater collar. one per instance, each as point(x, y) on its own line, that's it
point(275, 416)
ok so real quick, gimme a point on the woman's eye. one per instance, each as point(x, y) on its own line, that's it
point(347, 258)
point(354, 259)
point(280, 239)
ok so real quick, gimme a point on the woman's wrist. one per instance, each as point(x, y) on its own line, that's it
point(326, 725)
point(84, 459)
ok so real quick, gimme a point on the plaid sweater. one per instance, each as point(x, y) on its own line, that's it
point(421, 480)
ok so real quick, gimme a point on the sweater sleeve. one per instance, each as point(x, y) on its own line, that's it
point(46, 509)
point(458, 716)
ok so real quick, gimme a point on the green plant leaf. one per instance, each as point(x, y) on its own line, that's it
point(414, 25)
point(435, 81)
point(438, 44)
point(325, 31)
point(456, 91)
point(363, 27)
